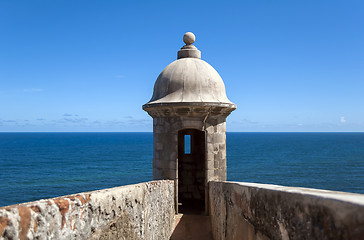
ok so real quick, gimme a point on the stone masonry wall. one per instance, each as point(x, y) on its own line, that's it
point(141, 211)
point(261, 211)
point(216, 149)
point(165, 139)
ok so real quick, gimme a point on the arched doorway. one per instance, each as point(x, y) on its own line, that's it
point(191, 171)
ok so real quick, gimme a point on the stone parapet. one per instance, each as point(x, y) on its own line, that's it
point(261, 211)
point(140, 211)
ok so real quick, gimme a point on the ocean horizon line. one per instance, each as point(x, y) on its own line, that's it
point(152, 132)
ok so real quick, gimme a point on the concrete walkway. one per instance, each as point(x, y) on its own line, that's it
point(191, 227)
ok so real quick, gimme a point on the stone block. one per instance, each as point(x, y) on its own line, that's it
point(210, 164)
point(216, 148)
point(216, 163)
point(165, 164)
point(192, 124)
point(167, 125)
point(223, 164)
point(210, 156)
point(172, 165)
point(210, 174)
point(210, 130)
point(159, 146)
point(221, 127)
point(175, 138)
point(210, 147)
point(210, 138)
point(158, 129)
point(222, 147)
point(219, 138)
point(215, 127)
point(173, 156)
point(157, 174)
point(171, 173)
point(158, 163)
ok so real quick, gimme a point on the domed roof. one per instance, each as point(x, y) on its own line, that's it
point(189, 80)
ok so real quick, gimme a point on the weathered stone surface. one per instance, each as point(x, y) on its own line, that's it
point(189, 102)
point(187, 81)
point(167, 152)
point(261, 211)
point(141, 211)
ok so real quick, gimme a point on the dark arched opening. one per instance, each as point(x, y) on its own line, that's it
point(191, 171)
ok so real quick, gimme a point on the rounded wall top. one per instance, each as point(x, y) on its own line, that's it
point(189, 81)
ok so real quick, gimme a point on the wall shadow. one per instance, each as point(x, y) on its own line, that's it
point(191, 227)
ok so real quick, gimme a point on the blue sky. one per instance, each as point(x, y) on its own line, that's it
point(91, 65)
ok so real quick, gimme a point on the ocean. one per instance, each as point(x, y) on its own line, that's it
point(44, 165)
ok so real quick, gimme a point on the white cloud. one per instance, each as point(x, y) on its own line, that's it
point(74, 120)
point(342, 120)
point(10, 121)
point(70, 115)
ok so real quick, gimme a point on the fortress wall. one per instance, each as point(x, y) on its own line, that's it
point(140, 211)
point(261, 211)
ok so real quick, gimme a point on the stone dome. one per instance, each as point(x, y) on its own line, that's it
point(189, 81)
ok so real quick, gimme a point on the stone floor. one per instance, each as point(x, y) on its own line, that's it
point(191, 227)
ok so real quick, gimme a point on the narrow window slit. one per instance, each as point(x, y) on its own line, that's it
point(187, 144)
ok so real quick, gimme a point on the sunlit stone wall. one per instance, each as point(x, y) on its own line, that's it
point(141, 211)
point(262, 211)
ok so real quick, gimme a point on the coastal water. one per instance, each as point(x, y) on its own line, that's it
point(44, 165)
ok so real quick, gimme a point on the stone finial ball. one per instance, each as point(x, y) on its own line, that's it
point(189, 38)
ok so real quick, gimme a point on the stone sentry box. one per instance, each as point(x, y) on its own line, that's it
point(189, 99)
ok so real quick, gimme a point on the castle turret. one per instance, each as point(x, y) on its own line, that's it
point(189, 107)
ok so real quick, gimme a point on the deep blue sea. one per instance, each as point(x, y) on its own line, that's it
point(45, 165)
